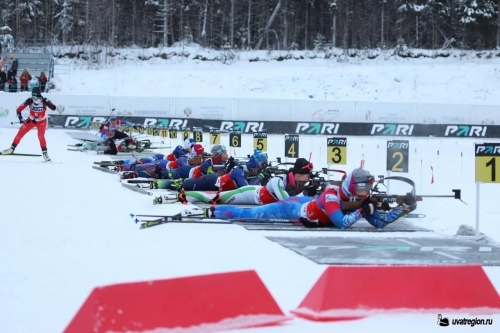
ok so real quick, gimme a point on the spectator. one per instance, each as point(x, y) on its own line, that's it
point(12, 84)
point(42, 79)
point(3, 79)
point(2, 61)
point(14, 64)
point(24, 80)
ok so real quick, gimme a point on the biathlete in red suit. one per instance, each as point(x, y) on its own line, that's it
point(327, 209)
point(37, 105)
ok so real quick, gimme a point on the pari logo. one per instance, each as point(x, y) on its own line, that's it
point(83, 121)
point(336, 142)
point(398, 145)
point(317, 128)
point(392, 129)
point(164, 122)
point(487, 150)
point(243, 126)
point(465, 131)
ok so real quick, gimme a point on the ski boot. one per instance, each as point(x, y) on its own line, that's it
point(177, 184)
point(209, 212)
point(90, 145)
point(8, 151)
point(45, 155)
point(129, 175)
point(165, 199)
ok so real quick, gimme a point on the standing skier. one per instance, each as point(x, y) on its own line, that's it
point(37, 105)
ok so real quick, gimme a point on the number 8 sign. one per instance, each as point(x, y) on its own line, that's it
point(336, 150)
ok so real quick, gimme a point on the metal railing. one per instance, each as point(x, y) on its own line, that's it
point(60, 69)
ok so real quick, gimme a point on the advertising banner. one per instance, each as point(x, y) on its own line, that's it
point(375, 112)
point(292, 127)
point(263, 109)
point(203, 108)
point(444, 113)
point(142, 106)
point(324, 111)
point(486, 115)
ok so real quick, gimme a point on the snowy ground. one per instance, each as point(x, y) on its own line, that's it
point(64, 231)
point(455, 79)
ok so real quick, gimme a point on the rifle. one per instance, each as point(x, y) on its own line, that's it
point(382, 200)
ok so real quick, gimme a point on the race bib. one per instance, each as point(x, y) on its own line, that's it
point(217, 183)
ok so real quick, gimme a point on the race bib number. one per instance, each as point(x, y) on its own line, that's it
point(217, 183)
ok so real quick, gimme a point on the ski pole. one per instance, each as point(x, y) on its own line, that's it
point(17, 122)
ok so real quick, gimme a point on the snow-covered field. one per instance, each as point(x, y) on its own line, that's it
point(455, 79)
point(64, 230)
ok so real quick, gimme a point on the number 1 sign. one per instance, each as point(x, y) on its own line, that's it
point(487, 165)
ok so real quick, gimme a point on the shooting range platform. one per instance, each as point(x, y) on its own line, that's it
point(392, 251)
point(361, 226)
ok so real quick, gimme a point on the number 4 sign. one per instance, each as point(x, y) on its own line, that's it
point(487, 165)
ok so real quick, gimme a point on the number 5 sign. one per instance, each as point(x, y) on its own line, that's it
point(260, 141)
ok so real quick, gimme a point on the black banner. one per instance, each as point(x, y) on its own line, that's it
point(292, 127)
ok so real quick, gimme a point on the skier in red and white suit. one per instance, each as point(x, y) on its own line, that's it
point(38, 106)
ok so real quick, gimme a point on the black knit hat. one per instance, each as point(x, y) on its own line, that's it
point(302, 167)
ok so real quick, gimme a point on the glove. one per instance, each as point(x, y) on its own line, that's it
point(230, 164)
point(385, 206)
point(311, 191)
point(308, 224)
point(409, 202)
point(367, 207)
point(20, 116)
point(44, 100)
point(265, 176)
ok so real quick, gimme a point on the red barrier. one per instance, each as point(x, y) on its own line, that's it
point(211, 303)
point(353, 292)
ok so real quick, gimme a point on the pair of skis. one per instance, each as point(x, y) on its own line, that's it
point(29, 155)
point(18, 154)
point(148, 221)
point(154, 220)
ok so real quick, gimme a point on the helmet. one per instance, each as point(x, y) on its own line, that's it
point(358, 179)
point(302, 166)
point(198, 149)
point(259, 155)
point(189, 143)
point(36, 92)
point(217, 150)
